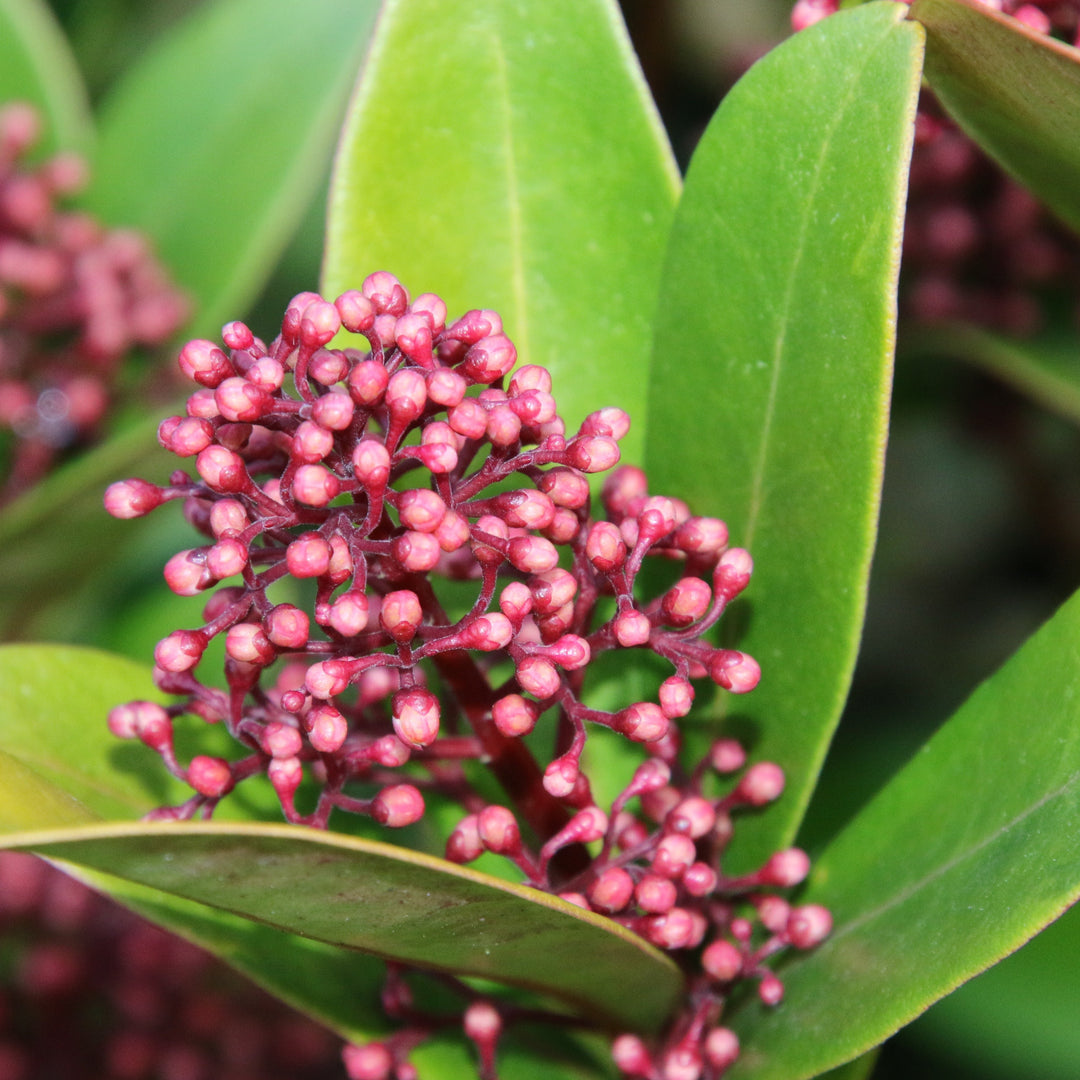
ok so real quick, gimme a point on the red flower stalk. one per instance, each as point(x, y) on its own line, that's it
point(374, 477)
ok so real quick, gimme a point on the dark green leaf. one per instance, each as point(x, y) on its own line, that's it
point(772, 362)
point(968, 852)
point(1015, 91)
point(215, 143)
point(387, 902)
point(519, 166)
point(36, 65)
point(1045, 369)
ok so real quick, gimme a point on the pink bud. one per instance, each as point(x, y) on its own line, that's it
point(464, 843)
point(655, 895)
point(127, 721)
point(181, 650)
point(319, 323)
point(132, 498)
point(490, 358)
point(499, 830)
point(514, 715)
point(642, 722)
point(453, 532)
point(326, 679)
point(248, 643)
point(699, 879)
point(515, 601)
point(308, 556)
point(387, 295)
point(285, 776)
point(468, 419)
point(676, 697)
point(565, 487)
point(421, 509)
point(538, 677)
point(761, 784)
point(571, 652)
point(367, 382)
point(727, 756)
point(209, 776)
point(732, 573)
point(561, 777)
point(632, 628)
point(186, 573)
point(349, 613)
point(356, 311)
point(611, 422)
point(673, 855)
point(771, 990)
point(416, 552)
point(786, 868)
point(228, 516)
point(686, 601)
point(222, 470)
point(693, 817)
point(371, 463)
point(242, 401)
point(416, 717)
point(203, 362)
point(672, 930)
point(721, 1048)
point(612, 890)
point(734, 671)
point(474, 325)
point(327, 729)
point(492, 527)
point(701, 536)
point(593, 454)
point(488, 632)
point(809, 925)
point(334, 411)
point(401, 615)
point(185, 436)
point(604, 547)
point(406, 395)
point(445, 387)
point(722, 961)
point(532, 554)
point(397, 806)
point(280, 740)
point(287, 626)
point(631, 1057)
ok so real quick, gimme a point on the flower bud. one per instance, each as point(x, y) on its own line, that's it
point(397, 806)
point(416, 717)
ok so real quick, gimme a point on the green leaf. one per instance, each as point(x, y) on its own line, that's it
point(1014, 91)
point(961, 858)
point(215, 143)
point(1044, 368)
point(772, 362)
point(1018, 1018)
point(36, 65)
point(520, 166)
point(388, 902)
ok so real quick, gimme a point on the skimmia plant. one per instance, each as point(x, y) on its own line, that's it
point(515, 579)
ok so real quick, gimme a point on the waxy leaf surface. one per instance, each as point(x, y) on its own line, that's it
point(381, 900)
point(518, 166)
point(969, 851)
point(388, 902)
point(36, 66)
point(216, 142)
point(772, 365)
point(1015, 91)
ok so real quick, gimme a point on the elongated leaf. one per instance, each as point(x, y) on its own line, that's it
point(1016, 92)
point(1045, 369)
point(215, 143)
point(387, 902)
point(60, 768)
point(772, 362)
point(36, 65)
point(969, 851)
point(519, 166)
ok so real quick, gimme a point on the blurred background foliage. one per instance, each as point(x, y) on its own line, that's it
point(979, 540)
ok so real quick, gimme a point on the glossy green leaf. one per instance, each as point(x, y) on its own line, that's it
point(1015, 91)
point(387, 902)
point(772, 363)
point(1045, 369)
point(962, 857)
point(217, 140)
point(1018, 1018)
point(366, 896)
point(519, 166)
point(36, 65)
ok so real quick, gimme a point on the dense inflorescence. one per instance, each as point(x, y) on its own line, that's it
point(425, 494)
point(75, 300)
point(89, 991)
point(979, 247)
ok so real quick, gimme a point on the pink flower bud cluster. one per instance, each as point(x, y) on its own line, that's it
point(75, 299)
point(92, 991)
point(425, 495)
point(978, 247)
